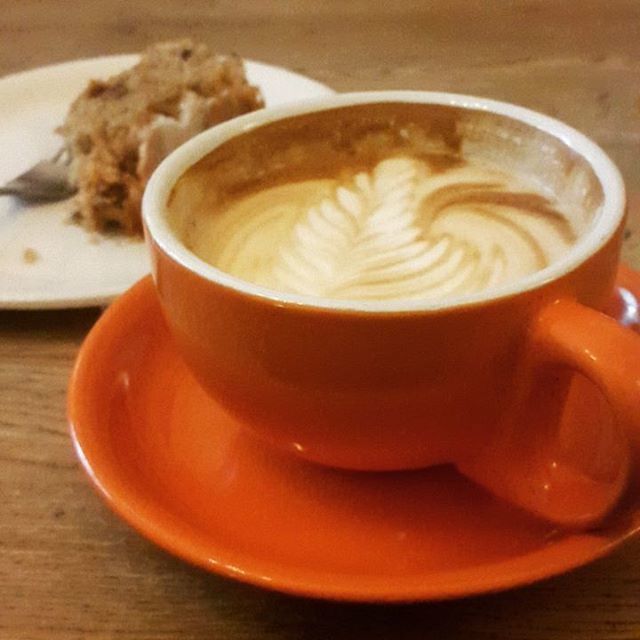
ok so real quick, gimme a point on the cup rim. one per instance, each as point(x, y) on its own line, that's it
point(181, 159)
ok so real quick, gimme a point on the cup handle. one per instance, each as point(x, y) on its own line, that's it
point(554, 420)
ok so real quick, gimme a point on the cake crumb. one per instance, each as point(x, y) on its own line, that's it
point(30, 256)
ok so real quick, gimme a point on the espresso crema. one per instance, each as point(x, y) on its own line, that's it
point(394, 216)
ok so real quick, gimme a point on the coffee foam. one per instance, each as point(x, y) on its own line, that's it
point(386, 201)
point(398, 231)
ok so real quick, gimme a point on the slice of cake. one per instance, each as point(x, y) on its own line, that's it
point(117, 131)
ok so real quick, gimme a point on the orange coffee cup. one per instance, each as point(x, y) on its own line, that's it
point(483, 382)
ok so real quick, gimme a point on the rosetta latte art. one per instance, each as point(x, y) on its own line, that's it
point(400, 231)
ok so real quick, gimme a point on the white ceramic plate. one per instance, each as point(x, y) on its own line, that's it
point(73, 268)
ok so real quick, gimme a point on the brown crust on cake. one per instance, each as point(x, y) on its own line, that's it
point(110, 126)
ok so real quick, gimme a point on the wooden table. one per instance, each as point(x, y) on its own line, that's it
point(68, 567)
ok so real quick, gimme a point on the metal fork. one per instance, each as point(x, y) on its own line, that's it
point(47, 181)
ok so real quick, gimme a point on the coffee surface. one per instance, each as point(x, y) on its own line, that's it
point(398, 215)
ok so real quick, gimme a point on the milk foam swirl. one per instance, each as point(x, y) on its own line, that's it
point(400, 231)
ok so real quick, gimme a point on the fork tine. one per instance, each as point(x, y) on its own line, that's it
point(48, 180)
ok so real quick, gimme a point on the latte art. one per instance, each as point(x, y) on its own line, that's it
point(399, 231)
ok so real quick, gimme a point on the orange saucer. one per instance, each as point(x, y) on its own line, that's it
point(168, 460)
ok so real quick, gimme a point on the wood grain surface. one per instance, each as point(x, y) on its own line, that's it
point(68, 567)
